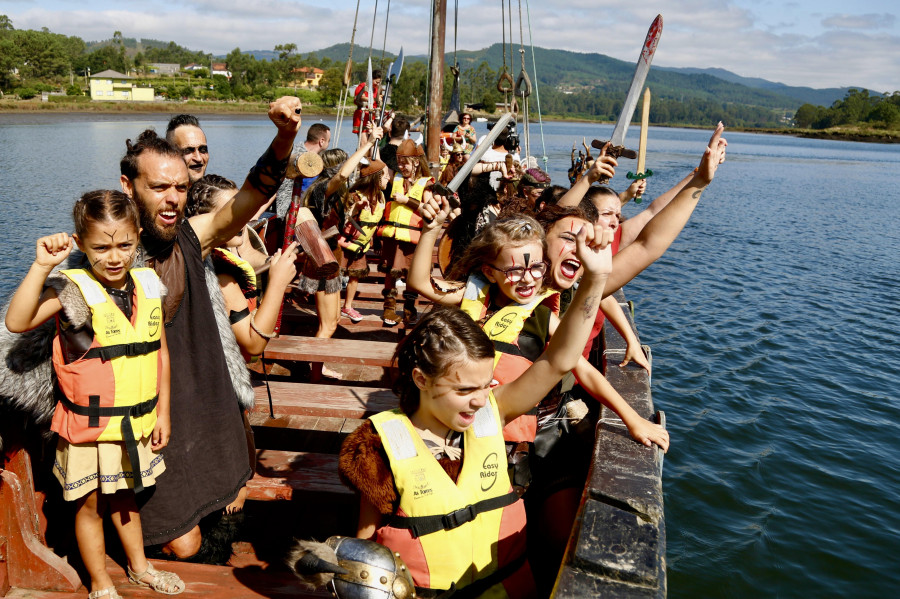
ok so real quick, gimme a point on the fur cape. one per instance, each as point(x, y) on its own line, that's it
point(26, 373)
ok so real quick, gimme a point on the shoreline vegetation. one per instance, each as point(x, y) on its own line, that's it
point(213, 107)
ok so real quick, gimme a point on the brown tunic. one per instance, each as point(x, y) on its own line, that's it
point(206, 459)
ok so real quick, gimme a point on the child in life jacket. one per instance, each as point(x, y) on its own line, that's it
point(431, 475)
point(112, 367)
point(365, 210)
point(401, 228)
point(503, 272)
point(253, 325)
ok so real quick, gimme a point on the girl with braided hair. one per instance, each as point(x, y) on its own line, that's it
point(431, 474)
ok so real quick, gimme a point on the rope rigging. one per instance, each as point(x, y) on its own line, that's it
point(537, 88)
point(505, 83)
point(345, 89)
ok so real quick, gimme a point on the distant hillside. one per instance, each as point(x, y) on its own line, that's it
point(576, 71)
point(817, 97)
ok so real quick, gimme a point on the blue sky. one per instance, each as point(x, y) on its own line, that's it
point(823, 43)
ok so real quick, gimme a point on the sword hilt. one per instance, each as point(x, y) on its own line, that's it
point(448, 193)
point(614, 151)
point(638, 177)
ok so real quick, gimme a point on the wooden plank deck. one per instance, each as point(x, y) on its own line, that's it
point(279, 474)
point(337, 351)
point(336, 401)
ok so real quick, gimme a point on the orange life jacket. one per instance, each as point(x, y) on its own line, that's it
point(118, 375)
point(400, 221)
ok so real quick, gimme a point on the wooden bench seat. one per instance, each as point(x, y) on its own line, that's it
point(334, 401)
point(279, 474)
point(323, 434)
point(340, 351)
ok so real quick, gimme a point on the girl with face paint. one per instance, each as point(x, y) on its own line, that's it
point(510, 311)
point(101, 309)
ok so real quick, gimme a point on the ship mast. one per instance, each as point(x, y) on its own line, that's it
point(435, 84)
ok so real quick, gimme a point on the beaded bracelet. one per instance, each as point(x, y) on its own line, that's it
point(258, 332)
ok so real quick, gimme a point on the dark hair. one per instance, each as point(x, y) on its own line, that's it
point(399, 126)
point(314, 197)
point(487, 245)
point(200, 195)
point(316, 132)
point(550, 215)
point(180, 120)
point(101, 206)
point(376, 74)
point(595, 192)
point(147, 141)
point(550, 196)
point(443, 337)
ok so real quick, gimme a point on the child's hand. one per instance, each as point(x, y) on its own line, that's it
point(594, 251)
point(283, 267)
point(604, 166)
point(161, 432)
point(435, 211)
point(636, 352)
point(637, 188)
point(647, 433)
point(53, 249)
point(401, 199)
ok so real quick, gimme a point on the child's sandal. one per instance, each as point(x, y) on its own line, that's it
point(167, 583)
point(109, 593)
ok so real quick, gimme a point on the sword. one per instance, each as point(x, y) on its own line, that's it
point(642, 150)
point(637, 84)
point(393, 75)
point(450, 189)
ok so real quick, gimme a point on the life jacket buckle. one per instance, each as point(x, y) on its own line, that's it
point(458, 518)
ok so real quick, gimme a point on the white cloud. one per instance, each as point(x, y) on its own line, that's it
point(750, 39)
point(868, 21)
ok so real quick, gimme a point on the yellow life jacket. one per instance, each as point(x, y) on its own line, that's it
point(118, 375)
point(503, 328)
point(357, 234)
point(469, 532)
point(402, 222)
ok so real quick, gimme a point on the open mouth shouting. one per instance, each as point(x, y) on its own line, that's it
point(569, 269)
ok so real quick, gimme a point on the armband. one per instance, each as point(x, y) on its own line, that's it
point(268, 173)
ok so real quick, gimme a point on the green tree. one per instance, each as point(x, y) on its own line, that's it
point(5, 23)
point(806, 115)
point(330, 85)
point(887, 113)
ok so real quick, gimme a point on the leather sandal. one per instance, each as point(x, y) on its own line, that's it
point(167, 583)
point(108, 593)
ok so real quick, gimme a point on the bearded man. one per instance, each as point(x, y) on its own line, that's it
point(208, 452)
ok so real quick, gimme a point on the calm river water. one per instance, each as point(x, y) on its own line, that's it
point(773, 321)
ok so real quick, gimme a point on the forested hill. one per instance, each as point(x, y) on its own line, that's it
point(575, 71)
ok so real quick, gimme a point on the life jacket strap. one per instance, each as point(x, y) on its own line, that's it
point(391, 223)
point(478, 587)
point(109, 352)
point(94, 412)
point(425, 525)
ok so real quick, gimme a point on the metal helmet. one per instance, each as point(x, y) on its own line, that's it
point(373, 571)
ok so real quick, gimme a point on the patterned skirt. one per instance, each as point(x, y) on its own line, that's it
point(83, 467)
